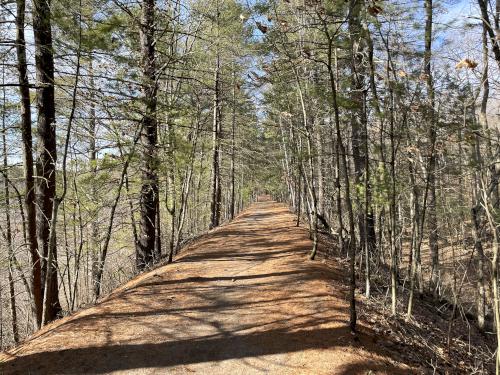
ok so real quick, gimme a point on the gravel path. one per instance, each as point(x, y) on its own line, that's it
point(242, 299)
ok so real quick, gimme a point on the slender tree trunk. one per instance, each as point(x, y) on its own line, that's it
point(286, 165)
point(67, 251)
point(370, 219)
point(432, 223)
point(170, 191)
point(496, 303)
point(358, 117)
point(350, 244)
point(309, 180)
point(478, 247)
point(51, 293)
point(415, 225)
point(132, 213)
point(359, 135)
point(47, 152)
point(8, 229)
point(418, 246)
point(476, 209)
point(29, 181)
point(299, 198)
point(215, 206)
point(494, 272)
point(95, 243)
point(319, 170)
point(186, 187)
point(78, 255)
point(109, 229)
point(233, 152)
point(92, 152)
point(216, 193)
point(15, 262)
point(157, 250)
point(149, 139)
point(392, 207)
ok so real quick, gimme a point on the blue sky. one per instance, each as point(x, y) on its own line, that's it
point(461, 11)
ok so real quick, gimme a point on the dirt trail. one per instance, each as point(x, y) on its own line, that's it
point(243, 299)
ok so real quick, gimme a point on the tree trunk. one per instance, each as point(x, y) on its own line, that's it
point(350, 244)
point(414, 257)
point(47, 152)
point(8, 229)
point(476, 209)
point(157, 250)
point(299, 198)
point(357, 115)
point(232, 203)
point(215, 206)
point(319, 171)
point(186, 187)
point(149, 139)
point(170, 191)
point(29, 181)
point(359, 135)
point(494, 273)
point(478, 247)
point(493, 30)
point(95, 243)
point(392, 210)
point(309, 180)
point(51, 276)
point(432, 223)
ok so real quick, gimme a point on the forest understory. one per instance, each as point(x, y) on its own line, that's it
point(440, 338)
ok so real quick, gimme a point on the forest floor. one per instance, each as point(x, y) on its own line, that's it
point(242, 299)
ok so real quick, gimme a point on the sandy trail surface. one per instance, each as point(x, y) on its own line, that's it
point(242, 299)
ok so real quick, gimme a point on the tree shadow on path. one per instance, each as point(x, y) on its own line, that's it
point(121, 357)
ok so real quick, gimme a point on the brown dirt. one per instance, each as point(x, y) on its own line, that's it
point(243, 299)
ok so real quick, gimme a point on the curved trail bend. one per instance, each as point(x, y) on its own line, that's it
point(243, 299)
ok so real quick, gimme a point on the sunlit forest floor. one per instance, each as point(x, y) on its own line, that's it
point(242, 299)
